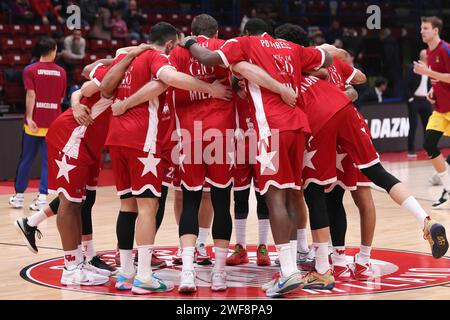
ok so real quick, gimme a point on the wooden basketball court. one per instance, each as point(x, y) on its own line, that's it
point(395, 230)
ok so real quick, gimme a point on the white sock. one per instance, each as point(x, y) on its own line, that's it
point(88, 249)
point(240, 226)
point(339, 256)
point(42, 197)
point(126, 262)
point(80, 256)
point(203, 234)
point(19, 195)
point(302, 240)
point(321, 251)
point(220, 255)
point(413, 207)
point(187, 255)
point(286, 264)
point(445, 179)
point(263, 230)
point(37, 218)
point(293, 244)
point(144, 269)
point(363, 256)
point(70, 259)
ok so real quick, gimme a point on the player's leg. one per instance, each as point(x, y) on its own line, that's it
point(241, 208)
point(41, 201)
point(156, 262)
point(177, 210)
point(262, 252)
point(205, 217)
point(30, 147)
point(363, 199)
point(304, 254)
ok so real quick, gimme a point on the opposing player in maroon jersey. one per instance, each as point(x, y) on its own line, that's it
point(137, 148)
point(281, 129)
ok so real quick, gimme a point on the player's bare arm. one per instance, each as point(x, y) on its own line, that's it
point(351, 93)
point(322, 73)
point(260, 77)
point(87, 70)
point(183, 81)
point(203, 55)
point(30, 101)
point(422, 69)
point(149, 91)
point(81, 113)
point(329, 51)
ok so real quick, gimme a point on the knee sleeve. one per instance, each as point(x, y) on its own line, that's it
point(86, 212)
point(241, 204)
point(54, 205)
point(189, 214)
point(161, 207)
point(126, 222)
point(261, 207)
point(378, 175)
point(337, 216)
point(222, 223)
point(316, 202)
point(431, 143)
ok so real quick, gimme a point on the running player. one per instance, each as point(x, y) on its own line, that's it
point(438, 69)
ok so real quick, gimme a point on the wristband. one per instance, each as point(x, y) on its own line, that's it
point(189, 43)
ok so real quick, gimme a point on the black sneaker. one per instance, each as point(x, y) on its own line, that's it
point(28, 233)
point(443, 200)
point(156, 262)
point(99, 263)
point(434, 232)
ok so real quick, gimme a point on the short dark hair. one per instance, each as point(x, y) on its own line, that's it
point(435, 22)
point(380, 81)
point(205, 25)
point(163, 32)
point(292, 32)
point(46, 45)
point(256, 27)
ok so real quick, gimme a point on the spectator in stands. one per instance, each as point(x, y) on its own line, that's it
point(102, 25)
point(318, 39)
point(338, 44)
point(391, 63)
point(352, 40)
point(21, 12)
point(89, 8)
point(45, 85)
point(46, 12)
point(375, 94)
point(335, 32)
point(74, 47)
point(119, 26)
point(417, 87)
point(253, 14)
point(135, 20)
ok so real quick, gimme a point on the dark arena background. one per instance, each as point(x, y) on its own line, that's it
point(403, 105)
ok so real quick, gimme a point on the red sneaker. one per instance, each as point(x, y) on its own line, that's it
point(262, 256)
point(158, 262)
point(176, 259)
point(117, 258)
point(363, 272)
point(239, 256)
point(342, 273)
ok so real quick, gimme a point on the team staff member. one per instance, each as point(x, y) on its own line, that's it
point(45, 85)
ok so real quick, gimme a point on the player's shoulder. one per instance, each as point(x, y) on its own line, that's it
point(445, 47)
point(31, 67)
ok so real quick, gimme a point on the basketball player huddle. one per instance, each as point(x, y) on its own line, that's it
point(206, 117)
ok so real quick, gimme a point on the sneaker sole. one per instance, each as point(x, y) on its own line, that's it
point(219, 288)
point(320, 287)
point(442, 205)
point(285, 290)
point(187, 289)
point(15, 206)
point(24, 238)
point(437, 232)
point(123, 287)
point(138, 290)
point(71, 283)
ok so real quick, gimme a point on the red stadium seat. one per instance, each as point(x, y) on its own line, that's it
point(28, 44)
point(116, 44)
point(37, 30)
point(11, 45)
point(96, 45)
point(130, 43)
point(18, 29)
point(14, 93)
point(4, 29)
point(3, 60)
point(18, 59)
point(50, 29)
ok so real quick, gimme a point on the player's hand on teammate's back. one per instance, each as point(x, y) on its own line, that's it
point(32, 125)
point(289, 96)
point(220, 91)
point(139, 49)
point(82, 115)
point(186, 39)
point(118, 107)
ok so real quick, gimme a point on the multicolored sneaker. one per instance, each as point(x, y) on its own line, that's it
point(202, 256)
point(177, 260)
point(342, 273)
point(315, 280)
point(151, 285)
point(262, 256)
point(269, 284)
point(284, 285)
point(239, 256)
point(218, 281)
point(28, 233)
point(124, 282)
point(435, 234)
point(187, 282)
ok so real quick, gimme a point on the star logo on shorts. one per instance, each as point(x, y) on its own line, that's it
point(232, 157)
point(64, 168)
point(266, 159)
point(339, 158)
point(150, 163)
point(307, 159)
point(182, 157)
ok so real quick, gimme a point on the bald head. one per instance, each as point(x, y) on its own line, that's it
point(423, 55)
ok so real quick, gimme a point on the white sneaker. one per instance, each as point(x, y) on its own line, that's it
point(82, 277)
point(187, 282)
point(218, 281)
point(39, 203)
point(435, 180)
point(90, 267)
point(16, 201)
point(443, 201)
